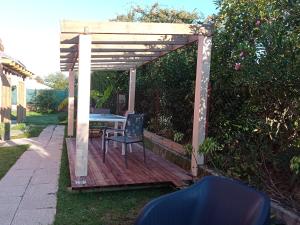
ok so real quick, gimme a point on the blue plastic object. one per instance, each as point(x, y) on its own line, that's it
point(212, 201)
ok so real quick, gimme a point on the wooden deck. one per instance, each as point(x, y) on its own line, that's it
point(113, 173)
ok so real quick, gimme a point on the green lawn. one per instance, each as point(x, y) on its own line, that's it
point(26, 131)
point(8, 157)
point(35, 123)
point(99, 208)
point(42, 118)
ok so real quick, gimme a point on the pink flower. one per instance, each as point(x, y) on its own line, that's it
point(257, 23)
point(242, 54)
point(237, 66)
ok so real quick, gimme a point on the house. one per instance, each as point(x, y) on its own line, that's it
point(13, 75)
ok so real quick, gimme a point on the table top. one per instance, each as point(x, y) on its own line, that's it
point(106, 118)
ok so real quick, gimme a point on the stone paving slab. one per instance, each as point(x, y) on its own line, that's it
point(20, 141)
point(28, 190)
point(7, 212)
point(45, 176)
point(12, 191)
point(34, 216)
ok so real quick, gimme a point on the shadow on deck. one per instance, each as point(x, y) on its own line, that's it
point(113, 173)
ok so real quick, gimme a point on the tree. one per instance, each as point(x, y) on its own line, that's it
point(45, 101)
point(39, 79)
point(155, 13)
point(255, 101)
point(57, 81)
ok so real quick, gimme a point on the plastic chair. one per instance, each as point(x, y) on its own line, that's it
point(132, 133)
point(110, 131)
point(212, 201)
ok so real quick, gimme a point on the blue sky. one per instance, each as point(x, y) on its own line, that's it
point(29, 29)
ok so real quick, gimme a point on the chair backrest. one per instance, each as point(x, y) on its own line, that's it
point(212, 201)
point(225, 201)
point(134, 126)
point(126, 115)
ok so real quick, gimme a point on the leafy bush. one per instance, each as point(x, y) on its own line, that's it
point(19, 126)
point(255, 103)
point(178, 136)
point(188, 148)
point(295, 164)
point(62, 117)
point(209, 145)
point(45, 101)
point(63, 105)
point(101, 98)
point(2, 131)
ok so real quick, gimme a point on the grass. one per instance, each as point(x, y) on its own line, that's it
point(42, 118)
point(8, 157)
point(35, 123)
point(27, 130)
point(99, 208)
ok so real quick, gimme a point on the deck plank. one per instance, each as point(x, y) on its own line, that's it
point(113, 173)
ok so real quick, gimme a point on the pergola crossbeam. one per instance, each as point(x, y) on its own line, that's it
point(76, 27)
point(67, 55)
point(124, 48)
point(71, 38)
point(111, 66)
point(115, 59)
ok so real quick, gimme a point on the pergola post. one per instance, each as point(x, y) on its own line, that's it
point(21, 102)
point(132, 82)
point(200, 104)
point(1, 72)
point(5, 104)
point(71, 104)
point(83, 107)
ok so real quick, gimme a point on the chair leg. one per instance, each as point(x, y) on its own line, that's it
point(106, 144)
point(126, 164)
point(102, 144)
point(144, 152)
point(104, 150)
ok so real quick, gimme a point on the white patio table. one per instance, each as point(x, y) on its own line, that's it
point(116, 119)
point(107, 118)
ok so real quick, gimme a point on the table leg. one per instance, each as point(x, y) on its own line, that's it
point(123, 145)
point(115, 134)
point(123, 149)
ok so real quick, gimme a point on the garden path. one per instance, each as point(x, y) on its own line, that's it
point(28, 190)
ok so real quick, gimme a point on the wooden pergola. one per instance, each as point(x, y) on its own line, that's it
point(91, 46)
point(11, 67)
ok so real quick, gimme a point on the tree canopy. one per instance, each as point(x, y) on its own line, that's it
point(155, 13)
point(57, 81)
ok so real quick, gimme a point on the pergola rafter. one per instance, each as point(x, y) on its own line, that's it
point(91, 46)
point(120, 40)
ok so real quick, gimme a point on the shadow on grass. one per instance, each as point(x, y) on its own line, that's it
point(8, 157)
